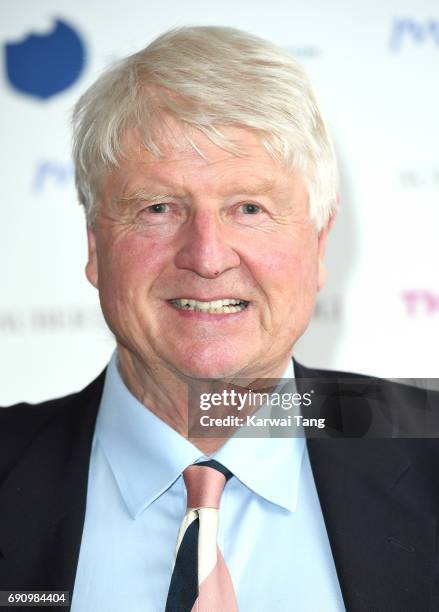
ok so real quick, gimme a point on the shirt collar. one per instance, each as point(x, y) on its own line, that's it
point(146, 455)
point(268, 466)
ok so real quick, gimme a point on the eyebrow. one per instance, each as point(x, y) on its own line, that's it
point(143, 194)
point(259, 188)
point(254, 188)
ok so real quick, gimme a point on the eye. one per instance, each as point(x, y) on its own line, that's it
point(250, 209)
point(158, 208)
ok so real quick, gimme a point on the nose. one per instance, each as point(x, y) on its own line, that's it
point(205, 249)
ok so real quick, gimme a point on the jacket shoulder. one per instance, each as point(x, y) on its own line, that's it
point(21, 423)
point(302, 371)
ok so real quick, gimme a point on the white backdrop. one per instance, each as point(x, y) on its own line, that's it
point(375, 69)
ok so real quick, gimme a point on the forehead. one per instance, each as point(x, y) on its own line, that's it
point(189, 158)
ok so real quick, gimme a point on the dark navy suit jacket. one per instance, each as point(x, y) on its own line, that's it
point(379, 497)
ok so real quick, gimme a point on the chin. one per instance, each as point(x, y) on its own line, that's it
point(209, 371)
point(209, 364)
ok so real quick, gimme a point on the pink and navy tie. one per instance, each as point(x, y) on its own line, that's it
point(201, 581)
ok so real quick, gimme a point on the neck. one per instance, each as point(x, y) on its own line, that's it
point(175, 398)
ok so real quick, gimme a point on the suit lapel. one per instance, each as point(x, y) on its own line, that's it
point(381, 535)
point(43, 496)
point(377, 510)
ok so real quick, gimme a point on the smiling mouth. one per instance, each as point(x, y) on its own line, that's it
point(225, 306)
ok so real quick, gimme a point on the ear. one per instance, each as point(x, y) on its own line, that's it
point(91, 269)
point(323, 236)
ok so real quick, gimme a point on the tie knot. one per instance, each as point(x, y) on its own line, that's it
point(205, 483)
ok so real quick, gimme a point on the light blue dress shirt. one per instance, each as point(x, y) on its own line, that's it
point(271, 531)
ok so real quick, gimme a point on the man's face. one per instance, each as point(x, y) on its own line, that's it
point(218, 227)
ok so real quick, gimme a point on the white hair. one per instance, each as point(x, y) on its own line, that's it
point(205, 78)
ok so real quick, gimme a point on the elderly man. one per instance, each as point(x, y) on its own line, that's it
point(209, 184)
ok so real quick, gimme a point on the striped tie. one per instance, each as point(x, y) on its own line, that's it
point(201, 581)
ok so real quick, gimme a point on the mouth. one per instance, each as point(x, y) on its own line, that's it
point(221, 306)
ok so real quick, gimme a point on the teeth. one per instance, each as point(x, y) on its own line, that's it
point(226, 306)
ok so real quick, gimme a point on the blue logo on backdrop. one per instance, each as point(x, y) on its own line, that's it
point(44, 65)
point(50, 172)
point(412, 30)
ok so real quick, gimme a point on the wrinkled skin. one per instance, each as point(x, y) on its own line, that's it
point(203, 227)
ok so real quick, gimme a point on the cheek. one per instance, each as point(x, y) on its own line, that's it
point(130, 265)
point(287, 267)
